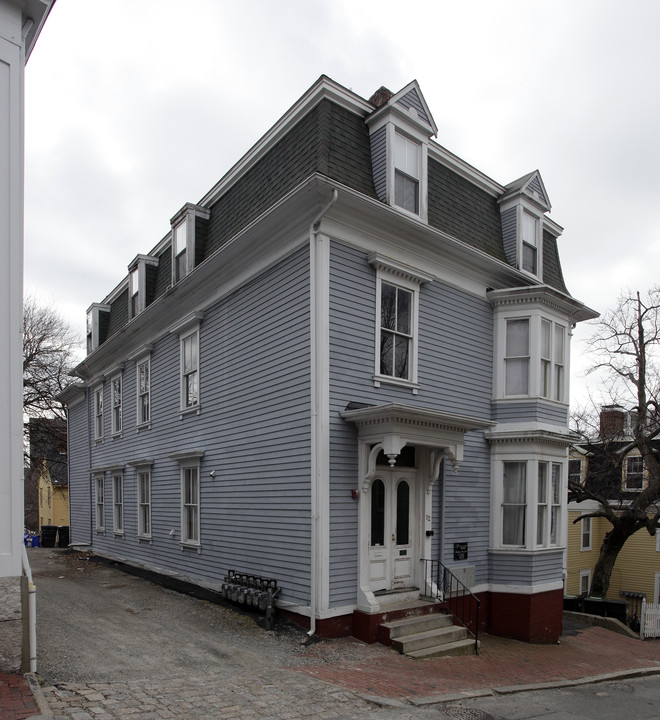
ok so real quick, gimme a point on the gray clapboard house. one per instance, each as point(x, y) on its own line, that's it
point(348, 359)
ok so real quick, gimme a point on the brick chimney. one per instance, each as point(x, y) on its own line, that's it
point(612, 419)
point(380, 97)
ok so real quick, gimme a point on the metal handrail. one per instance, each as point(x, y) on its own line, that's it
point(441, 584)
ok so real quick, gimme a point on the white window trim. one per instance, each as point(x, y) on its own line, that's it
point(139, 265)
point(625, 473)
point(140, 423)
point(187, 327)
point(409, 278)
point(587, 522)
point(188, 214)
point(186, 541)
point(535, 379)
point(99, 479)
point(98, 417)
point(584, 574)
point(117, 424)
point(532, 460)
point(522, 210)
point(140, 470)
point(117, 475)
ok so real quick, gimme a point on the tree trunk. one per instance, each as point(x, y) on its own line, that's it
point(624, 526)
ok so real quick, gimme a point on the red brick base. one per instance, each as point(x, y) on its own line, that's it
point(533, 618)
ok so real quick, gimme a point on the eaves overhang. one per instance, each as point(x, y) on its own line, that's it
point(538, 435)
point(544, 295)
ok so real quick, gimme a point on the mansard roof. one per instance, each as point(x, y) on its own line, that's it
point(326, 133)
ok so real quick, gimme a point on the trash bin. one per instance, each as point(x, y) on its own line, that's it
point(48, 535)
point(34, 539)
point(63, 536)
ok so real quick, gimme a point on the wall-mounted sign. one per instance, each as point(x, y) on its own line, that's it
point(460, 551)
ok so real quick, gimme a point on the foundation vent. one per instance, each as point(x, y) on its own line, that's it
point(465, 574)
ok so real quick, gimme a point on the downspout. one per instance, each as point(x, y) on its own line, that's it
point(318, 310)
point(32, 612)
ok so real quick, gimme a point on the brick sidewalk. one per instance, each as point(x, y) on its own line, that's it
point(591, 652)
point(16, 701)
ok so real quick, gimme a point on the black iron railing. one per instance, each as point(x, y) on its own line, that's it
point(441, 584)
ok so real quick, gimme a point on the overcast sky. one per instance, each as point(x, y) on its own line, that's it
point(134, 107)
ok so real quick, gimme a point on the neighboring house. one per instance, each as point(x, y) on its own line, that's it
point(48, 464)
point(20, 24)
point(350, 357)
point(598, 463)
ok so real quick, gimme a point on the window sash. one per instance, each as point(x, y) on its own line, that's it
point(396, 334)
point(190, 505)
point(143, 390)
point(98, 414)
point(407, 173)
point(190, 370)
point(585, 534)
point(144, 503)
point(116, 404)
point(118, 502)
point(100, 503)
point(514, 503)
point(635, 473)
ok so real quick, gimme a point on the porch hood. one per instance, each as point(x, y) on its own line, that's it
point(392, 426)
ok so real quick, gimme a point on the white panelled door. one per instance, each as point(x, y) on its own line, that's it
point(392, 530)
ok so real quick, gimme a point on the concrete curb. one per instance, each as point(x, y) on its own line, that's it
point(510, 690)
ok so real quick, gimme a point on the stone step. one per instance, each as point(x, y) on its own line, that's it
point(417, 624)
point(435, 637)
point(460, 647)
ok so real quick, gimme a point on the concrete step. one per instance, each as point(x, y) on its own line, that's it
point(417, 624)
point(434, 637)
point(460, 647)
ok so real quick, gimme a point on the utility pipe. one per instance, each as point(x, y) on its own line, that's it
point(32, 612)
point(318, 347)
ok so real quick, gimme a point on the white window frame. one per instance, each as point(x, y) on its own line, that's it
point(570, 475)
point(144, 503)
point(586, 530)
point(98, 412)
point(141, 420)
point(584, 574)
point(116, 405)
point(520, 359)
point(99, 497)
point(183, 239)
point(118, 502)
point(520, 504)
point(407, 161)
point(547, 376)
point(534, 241)
point(190, 535)
point(134, 293)
point(626, 472)
point(409, 279)
point(189, 371)
point(551, 508)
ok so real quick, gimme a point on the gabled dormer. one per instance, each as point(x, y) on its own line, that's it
point(141, 277)
point(98, 319)
point(189, 229)
point(399, 131)
point(522, 208)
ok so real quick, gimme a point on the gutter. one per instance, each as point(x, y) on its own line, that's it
point(319, 250)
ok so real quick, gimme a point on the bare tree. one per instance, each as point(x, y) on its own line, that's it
point(626, 346)
point(49, 351)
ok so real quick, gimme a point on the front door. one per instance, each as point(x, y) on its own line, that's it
point(392, 530)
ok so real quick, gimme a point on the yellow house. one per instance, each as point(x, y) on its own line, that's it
point(53, 499)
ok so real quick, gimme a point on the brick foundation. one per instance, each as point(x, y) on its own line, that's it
point(532, 618)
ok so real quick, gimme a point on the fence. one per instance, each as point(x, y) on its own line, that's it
point(650, 620)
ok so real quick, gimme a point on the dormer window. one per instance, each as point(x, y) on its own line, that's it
point(139, 273)
point(399, 132)
point(180, 250)
point(188, 232)
point(97, 320)
point(407, 155)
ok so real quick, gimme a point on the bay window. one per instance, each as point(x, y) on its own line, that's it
point(516, 361)
point(514, 503)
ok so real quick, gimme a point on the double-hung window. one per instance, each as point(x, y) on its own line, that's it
point(100, 502)
point(514, 504)
point(135, 291)
point(143, 369)
point(530, 243)
point(634, 473)
point(180, 242)
point(516, 360)
point(116, 404)
point(548, 504)
point(190, 505)
point(118, 503)
point(98, 413)
point(552, 360)
point(585, 534)
point(396, 331)
point(407, 171)
point(190, 370)
point(144, 502)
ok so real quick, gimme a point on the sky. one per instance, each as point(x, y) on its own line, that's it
point(135, 107)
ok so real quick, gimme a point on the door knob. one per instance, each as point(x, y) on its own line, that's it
point(393, 538)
